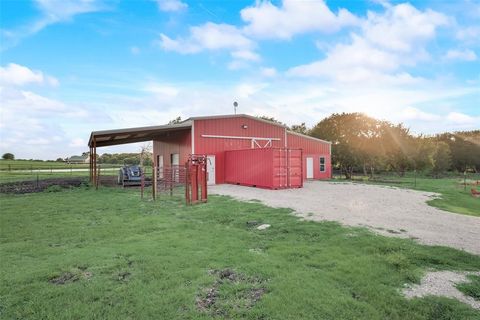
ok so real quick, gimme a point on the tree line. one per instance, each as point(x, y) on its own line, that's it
point(365, 144)
point(125, 158)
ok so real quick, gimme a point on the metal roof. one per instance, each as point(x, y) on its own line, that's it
point(129, 135)
point(223, 116)
point(139, 134)
point(308, 137)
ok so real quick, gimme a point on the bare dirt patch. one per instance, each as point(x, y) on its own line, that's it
point(230, 290)
point(442, 283)
point(64, 278)
point(123, 276)
point(386, 210)
point(21, 187)
point(69, 277)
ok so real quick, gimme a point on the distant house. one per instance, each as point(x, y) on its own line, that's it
point(78, 159)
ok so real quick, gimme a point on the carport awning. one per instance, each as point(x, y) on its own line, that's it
point(129, 135)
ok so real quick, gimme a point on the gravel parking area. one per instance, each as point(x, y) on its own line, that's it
point(386, 210)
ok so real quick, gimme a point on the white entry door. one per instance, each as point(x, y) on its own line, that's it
point(160, 166)
point(309, 168)
point(210, 170)
point(175, 158)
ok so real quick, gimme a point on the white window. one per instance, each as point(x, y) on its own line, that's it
point(322, 164)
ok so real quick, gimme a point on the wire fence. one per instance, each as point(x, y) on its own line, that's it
point(21, 172)
point(409, 178)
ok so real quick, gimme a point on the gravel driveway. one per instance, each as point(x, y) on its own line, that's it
point(387, 210)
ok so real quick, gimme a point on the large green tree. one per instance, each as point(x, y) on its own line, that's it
point(8, 156)
point(464, 147)
point(441, 158)
point(352, 136)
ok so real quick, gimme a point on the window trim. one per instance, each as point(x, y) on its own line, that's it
point(324, 164)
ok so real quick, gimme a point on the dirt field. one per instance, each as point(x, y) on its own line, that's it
point(20, 187)
point(386, 210)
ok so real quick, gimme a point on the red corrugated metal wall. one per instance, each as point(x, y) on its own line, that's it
point(232, 127)
point(314, 149)
point(179, 142)
point(273, 168)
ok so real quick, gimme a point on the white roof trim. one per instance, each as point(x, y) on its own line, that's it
point(308, 137)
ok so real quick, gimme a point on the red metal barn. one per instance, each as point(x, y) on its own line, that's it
point(231, 143)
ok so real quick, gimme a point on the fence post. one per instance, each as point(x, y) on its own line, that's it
point(98, 178)
point(142, 184)
point(465, 180)
point(415, 172)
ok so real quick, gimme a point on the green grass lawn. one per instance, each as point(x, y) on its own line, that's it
point(119, 257)
point(454, 196)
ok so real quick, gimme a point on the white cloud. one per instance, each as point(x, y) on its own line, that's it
point(213, 37)
point(33, 125)
point(268, 72)
point(245, 55)
point(465, 55)
point(209, 36)
point(17, 75)
point(245, 90)
point(265, 20)
point(171, 5)
point(470, 34)
point(411, 113)
point(53, 11)
point(135, 50)
point(402, 27)
point(63, 10)
point(352, 62)
point(78, 142)
point(462, 119)
point(27, 101)
point(387, 42)
point(162, 90)
point(237, 64)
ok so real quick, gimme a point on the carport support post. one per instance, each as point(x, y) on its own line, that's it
point(95, 161)
point(154, 183)
point(90, 164)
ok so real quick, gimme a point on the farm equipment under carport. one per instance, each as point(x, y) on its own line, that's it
point(130, 176)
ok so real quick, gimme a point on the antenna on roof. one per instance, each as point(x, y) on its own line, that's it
point(235, 105)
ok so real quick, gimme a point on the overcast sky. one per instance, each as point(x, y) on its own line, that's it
point(69, 67)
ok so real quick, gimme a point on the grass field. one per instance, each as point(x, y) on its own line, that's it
point(454, 196)
point(34, 164)
point(28, 170)
point(81, 254)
